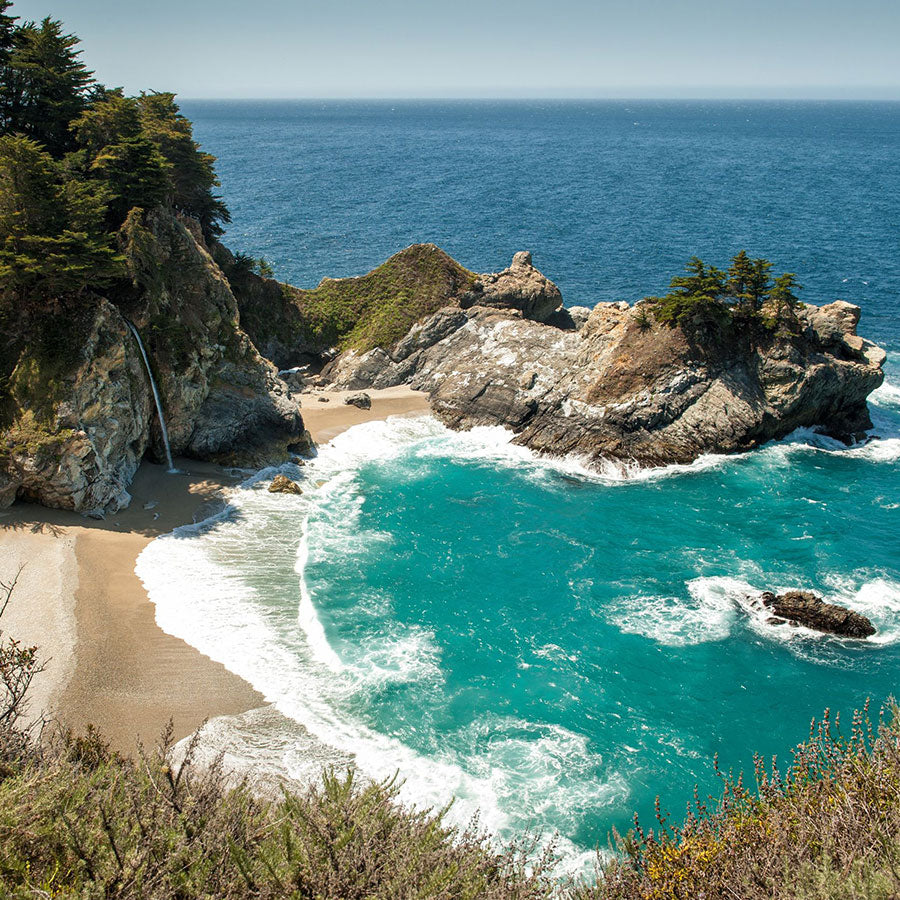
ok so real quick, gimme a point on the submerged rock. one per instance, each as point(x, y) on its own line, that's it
point(281, 484)
point(360, 400)
point(805, 608)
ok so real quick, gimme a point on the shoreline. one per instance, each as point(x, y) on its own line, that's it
point(79, 600)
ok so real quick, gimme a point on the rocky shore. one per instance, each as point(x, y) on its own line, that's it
point(612, 382)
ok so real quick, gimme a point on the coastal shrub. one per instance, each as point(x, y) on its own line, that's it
point(84, 822)
point(826, 827)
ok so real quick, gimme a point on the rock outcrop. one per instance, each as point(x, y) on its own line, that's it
point(82, 420)
point(80, 416)
point(360, 400)
point(622, 386)
point(806, 609)
point(520, 287)
point(281, 484)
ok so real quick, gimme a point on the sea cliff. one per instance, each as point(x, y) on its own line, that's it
point(610, 383)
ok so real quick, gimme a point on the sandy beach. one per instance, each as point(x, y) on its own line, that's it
point(78, 598)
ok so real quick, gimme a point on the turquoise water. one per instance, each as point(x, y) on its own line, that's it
point(551, 646)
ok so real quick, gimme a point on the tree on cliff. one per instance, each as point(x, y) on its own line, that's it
point(706, 295)
point(695, 298)
point(140, 150)
point(44, 86)
point(51, 236)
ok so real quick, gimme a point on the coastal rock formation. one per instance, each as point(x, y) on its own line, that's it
point(521, 287)
point(360, 400)
point(79, 416)
point(281, 484)
point(80, 433)
point(294, 327)
point(623, 386)
point(805, 608)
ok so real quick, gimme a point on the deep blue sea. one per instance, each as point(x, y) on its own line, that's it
point(552, 646)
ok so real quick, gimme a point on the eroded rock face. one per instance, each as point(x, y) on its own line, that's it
point(623, 386)
point(82, 424)
point(83, 453)
point(223, 401)
point(805, 608)
point(521, 287)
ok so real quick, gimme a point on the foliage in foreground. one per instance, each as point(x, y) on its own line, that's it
point(828, 827)
point(77, 820)
point(83, 822)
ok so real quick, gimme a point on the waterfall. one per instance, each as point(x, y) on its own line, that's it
point(159, 411)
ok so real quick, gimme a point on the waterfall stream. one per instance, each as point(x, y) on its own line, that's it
point(159, 410)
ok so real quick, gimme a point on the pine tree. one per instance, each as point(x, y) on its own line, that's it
point(51, 237)
point(740, 276)
point(783, 302)
point(117, 154)
point(7, 31)
point(759, 283)
point(45, 87)
point(193, 172)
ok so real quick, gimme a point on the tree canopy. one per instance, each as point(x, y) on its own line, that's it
point(707, 296)
point(77, 157)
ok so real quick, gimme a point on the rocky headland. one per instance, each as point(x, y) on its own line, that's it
point(609, 383)
point(79, 412)
point(615, 383)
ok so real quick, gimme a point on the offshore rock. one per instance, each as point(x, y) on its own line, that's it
point(805, 608)
point(623, 386)
point(281, 484)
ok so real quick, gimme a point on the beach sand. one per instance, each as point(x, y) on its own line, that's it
point(78, 598)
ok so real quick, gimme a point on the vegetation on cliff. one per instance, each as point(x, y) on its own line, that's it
point(76, 158)
point(373, 310)
point(744, 295)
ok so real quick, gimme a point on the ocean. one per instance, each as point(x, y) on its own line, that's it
point(549, 645)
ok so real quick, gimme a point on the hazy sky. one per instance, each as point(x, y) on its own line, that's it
point(489, 48)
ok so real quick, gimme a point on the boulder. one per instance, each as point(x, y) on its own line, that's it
point(360, 400)
point(520, 287)
point(281, 484)
point(805, 608)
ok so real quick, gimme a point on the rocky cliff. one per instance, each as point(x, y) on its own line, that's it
point(613, 383)
point(77, 413)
